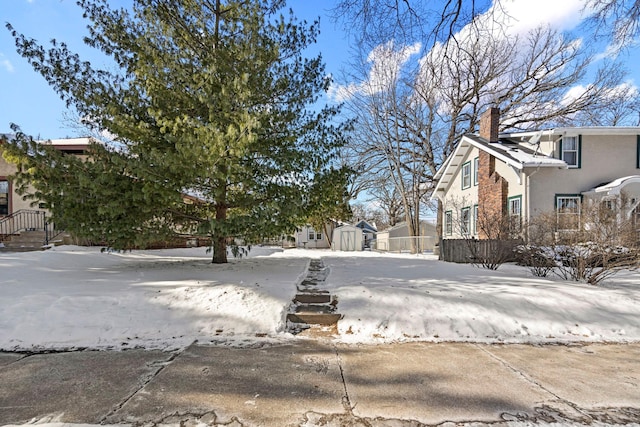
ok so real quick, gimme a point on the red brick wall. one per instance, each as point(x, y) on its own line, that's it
point(492, 197)
point(490, 124)
point(492, 188)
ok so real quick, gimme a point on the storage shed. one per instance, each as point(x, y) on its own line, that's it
point(347, 238)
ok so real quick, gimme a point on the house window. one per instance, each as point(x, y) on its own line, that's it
point(475, 219)
point(313, 235)
point(568, 212)
point(515, 213)
point(4, 197)
point(608, 210)
point(466, 175)
point(465, 221)
point(476, 164)
point(570, 151)
point(448, 223)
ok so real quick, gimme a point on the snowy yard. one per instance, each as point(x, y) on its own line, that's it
point(73, 297)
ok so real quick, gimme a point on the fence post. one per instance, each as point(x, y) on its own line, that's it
point(46, 231)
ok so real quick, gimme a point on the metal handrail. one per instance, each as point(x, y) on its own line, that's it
point(25, 220)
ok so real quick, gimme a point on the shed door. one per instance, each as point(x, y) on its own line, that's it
point(348, 240)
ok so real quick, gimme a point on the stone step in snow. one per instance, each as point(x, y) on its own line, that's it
point(313, 307)
point(310, 318)
point(24, 241)
point(20, 248)
point(313, 298)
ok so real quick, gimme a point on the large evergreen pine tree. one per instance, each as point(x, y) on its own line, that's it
point(212, 99)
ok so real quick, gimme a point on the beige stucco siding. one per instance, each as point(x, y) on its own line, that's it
point(6, 169)
point(546, 146)
point(458, 198)
point(455, 193)
point(608, 158)
point(514, 176)
point(603, 159)
point(16, 202)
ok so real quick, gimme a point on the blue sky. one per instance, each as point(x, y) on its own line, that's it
point(27, 100)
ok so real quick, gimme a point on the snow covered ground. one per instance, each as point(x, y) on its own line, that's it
point(74, 297)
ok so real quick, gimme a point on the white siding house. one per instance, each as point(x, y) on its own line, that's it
point(523, 174)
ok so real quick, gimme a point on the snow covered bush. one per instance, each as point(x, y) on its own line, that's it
point(601, 245)
point(539, 259)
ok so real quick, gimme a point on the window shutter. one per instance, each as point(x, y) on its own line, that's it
point(560, 149)
point(638, 152)
point(579, 151)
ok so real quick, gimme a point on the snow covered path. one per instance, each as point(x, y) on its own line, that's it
point(73, 297)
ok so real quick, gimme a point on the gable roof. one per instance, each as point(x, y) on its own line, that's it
point(507, 150)
point(363, 224)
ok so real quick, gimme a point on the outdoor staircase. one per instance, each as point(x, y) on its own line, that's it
point(313, 308)
point(26, 230)
point(24, 241)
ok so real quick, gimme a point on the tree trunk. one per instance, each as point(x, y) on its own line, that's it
point(219, 240)
point(324, 228)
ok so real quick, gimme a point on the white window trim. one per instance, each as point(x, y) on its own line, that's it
point(474, 217)
point(576, 151)
point(476, 166)
point(311, 234)
point(466, 176)
point(465, 225)
point(515, 217)
point(578, 213)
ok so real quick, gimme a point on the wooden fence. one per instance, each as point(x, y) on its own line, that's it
point(471, 250)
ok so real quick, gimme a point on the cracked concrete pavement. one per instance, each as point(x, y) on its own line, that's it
point(320, 383)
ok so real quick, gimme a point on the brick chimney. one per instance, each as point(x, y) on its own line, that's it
point(489, 124)
point(492, 188)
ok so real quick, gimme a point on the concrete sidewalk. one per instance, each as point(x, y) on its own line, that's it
point(315, 383)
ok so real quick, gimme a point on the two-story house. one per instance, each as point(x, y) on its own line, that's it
point(522, 174)
point(24, 224)
point(11, 202)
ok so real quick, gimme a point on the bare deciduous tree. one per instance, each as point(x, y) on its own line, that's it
point(374, 21)
point(391, 140)
point(385, 194)
point(617, 20)
point(536, 80)
point(408, 119)
point(413, 102)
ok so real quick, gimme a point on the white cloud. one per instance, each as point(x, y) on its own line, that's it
point(573, 94)
point(623, 90)
point(6, 64)
point(341, 93)
point(611, 52)
point(386, 62)
point(522, 16)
